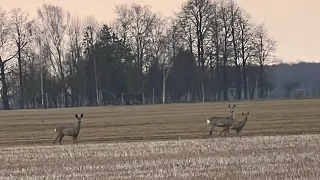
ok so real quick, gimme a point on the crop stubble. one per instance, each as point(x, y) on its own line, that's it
point(260, 157)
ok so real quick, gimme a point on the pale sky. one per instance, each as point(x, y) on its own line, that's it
point(294, 24)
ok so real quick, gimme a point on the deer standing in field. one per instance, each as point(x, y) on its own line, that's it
point(69, 130)
point(237, 124)
point(222, 121)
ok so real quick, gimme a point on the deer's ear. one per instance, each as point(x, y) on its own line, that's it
point(242, 114)
point(228, 105)
point(76, 115)
point(247, 113)
point(234, 105)
point(81, 115)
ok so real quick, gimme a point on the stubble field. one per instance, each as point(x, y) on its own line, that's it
point(27, 152)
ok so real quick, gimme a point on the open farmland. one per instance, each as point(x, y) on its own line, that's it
point(106, 149)
point(260, 157)
point(157, 122)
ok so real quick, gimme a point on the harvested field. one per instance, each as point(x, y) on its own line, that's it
point(260, 157)
point(157, 122)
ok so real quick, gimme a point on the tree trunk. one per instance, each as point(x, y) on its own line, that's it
point(164, 86)
point(21, 98)
point(236, 58)
point(225, 61)
point(72, 86)
point(251, 91)
point(238, 79)
point(66, 99)
point(244, 77)
point(5, 98)
point(211, 79)
point(261, 79)
point(218, 77)
point(63, 80)
point(225, 87)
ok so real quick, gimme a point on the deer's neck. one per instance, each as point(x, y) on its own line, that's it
point(233, 115)
point(78, 126)
point(244, 122)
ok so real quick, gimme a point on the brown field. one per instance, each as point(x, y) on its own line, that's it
point(106, 149)
point(157, 122)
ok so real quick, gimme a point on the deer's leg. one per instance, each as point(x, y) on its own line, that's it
point(226, 132)
point(223, 131)
point(211, 130)
point(76, 139)
point(58, 135)
point(237, 132)
point(60, 139)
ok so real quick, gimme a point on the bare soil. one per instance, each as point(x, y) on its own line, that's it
point(157, 122)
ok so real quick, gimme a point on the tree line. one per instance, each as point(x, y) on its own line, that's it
point(208, 50)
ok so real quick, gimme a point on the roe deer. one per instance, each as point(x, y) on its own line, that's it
point(69, 130)
point(237, 125)
point(222, 121)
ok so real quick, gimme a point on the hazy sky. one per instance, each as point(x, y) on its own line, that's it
point(294, 24)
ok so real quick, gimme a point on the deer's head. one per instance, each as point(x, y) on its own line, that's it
point(79, 118)
point(232, 108)
point(245, 115)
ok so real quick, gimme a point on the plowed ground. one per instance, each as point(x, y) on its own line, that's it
point(157, 122)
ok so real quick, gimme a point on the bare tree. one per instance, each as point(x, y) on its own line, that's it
point(75, 53)
point(265, 47)
point(157, 39)
point(54, 22)
point(185, 32)
point(140, 23)
point(4, 29)
point(199, 12)
point(167, 52)
point(225, 10)
point(235, 35)
point(215, 45)
point(22, 35)
point(122, 23)
point(246, 46)
point(6, 46)
point(4, 95)
point(75, 40)
point(90, 39)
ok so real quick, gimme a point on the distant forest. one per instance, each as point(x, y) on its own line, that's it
point(298, 80)
point(209, 51)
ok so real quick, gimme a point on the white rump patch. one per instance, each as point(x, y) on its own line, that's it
point(55, 130)
point(208, 121)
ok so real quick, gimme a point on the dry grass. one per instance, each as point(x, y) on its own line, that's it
point(157, 122)
point(264, 157)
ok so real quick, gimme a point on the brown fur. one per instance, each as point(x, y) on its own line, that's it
point(238, 125)
point(222, 121)
point(69, 130)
